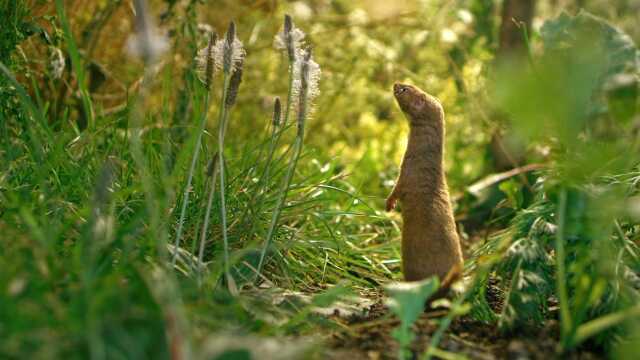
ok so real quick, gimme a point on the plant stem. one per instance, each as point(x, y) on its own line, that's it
point(527, 43)
point(77, 65)
point(257, 197)
point(481, 272)
point(223, 209)
point(444, 325)
point(283, 194)
point(566, 325)
point(205, 226)
point(289, 97)
point(604, 322)
point(276, 214)
point(137, 153)
point(29, 107)
point(187, 189)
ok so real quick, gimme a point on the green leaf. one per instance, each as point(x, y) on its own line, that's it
point(331, 295)
point(408, 298)
point(615, 50)
point(568, 32)
point(511, 189)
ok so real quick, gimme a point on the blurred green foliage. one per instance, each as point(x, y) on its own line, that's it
point(577, 96)
point(406, 301)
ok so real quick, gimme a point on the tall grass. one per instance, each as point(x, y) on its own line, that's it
point(76, 61)
point(561, 277)
point(561, 246)
point(145, 44)
point(209, 67)
point(255, 203)
point(309, 75)
point(89, 217)
point(233, 54)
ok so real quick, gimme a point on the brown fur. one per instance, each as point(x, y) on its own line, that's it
point(430, 244)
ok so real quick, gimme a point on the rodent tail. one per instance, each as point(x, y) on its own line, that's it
point(452, 276)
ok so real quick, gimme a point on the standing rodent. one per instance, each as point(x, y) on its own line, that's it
point(430, 243)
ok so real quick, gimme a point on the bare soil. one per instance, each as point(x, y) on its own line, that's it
point(368, 335)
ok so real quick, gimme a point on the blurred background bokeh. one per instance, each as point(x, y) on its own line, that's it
point(448, 48)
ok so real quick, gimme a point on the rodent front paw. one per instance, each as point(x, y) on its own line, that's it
point(391, 204)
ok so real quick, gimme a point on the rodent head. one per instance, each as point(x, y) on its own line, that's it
point(420, 107)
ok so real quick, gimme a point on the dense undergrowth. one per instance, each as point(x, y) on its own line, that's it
point(164, 215)
point(571, 248)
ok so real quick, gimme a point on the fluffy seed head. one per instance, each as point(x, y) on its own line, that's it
point(228, 48)
point(312, 76)
point(231, 33)
point(306, 74)
point(205, 61)
point(291, 39)
point(234, 85)
point(288, 23)
point(309, 72)
point(229, 51)
point(297, 73)
point(304, 89)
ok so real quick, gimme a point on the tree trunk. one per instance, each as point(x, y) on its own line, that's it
point(515, 15)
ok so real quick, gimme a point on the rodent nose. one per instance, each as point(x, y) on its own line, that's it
point(397, 88)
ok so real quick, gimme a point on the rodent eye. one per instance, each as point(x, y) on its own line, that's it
point(403, 90)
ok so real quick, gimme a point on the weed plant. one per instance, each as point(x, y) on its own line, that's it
point(103, 262)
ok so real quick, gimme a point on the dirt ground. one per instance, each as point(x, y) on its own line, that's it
point(367, 335)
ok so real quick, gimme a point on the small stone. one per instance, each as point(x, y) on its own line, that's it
point(517, 350)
